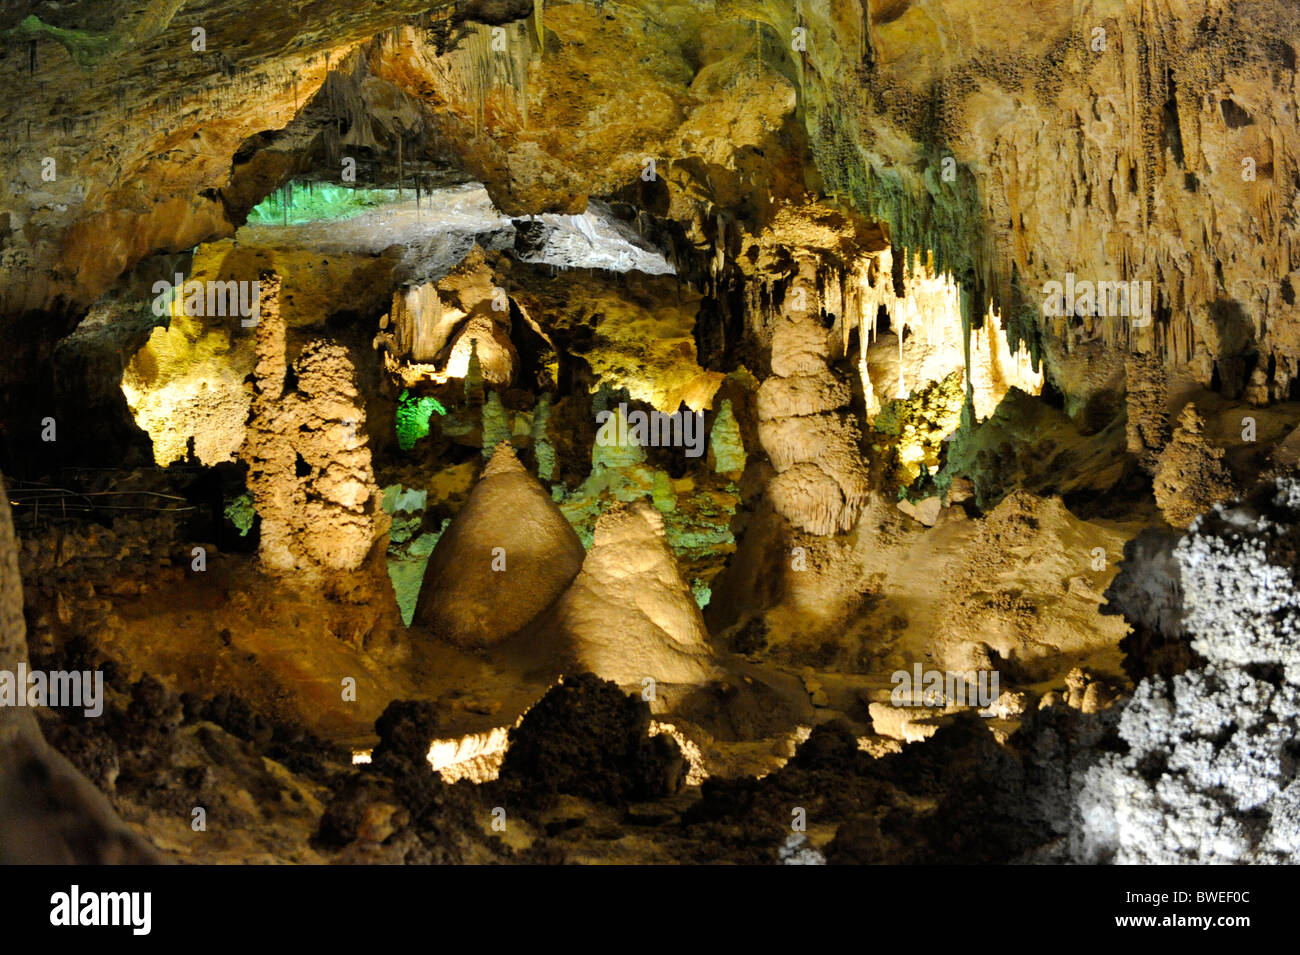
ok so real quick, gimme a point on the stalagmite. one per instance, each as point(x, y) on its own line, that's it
point(308, 458)
point(505, 556)
point(628, 616)
point(821, 483)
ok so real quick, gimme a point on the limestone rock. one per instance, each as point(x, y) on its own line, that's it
point(799, 349)
point(809, 498)
point(508, 522)
point(906, 723)
point(1286, 456)
point(490, 341)
point(628, 615)
point(961, 489)
point(1224, 793)
point(791, 441)
point(1241, 582)
point(1190, 475)
point(421, 325)
point(925, 512)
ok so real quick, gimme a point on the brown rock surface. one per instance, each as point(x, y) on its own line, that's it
point(1190, 475)
point(49, 812)
point(505, 557)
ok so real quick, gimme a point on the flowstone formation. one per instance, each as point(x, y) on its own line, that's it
point(185, 387)
point(1211, 775)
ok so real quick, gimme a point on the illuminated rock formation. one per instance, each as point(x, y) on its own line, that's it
point(926, 340)
point(309, 468)
point(482, 227)
point(437, 326)
point(726, 444)
point(504, 558)
point(821, 482)
point(1190, 475)
point(628, 616)
point(1196, 118)
point(420, 323)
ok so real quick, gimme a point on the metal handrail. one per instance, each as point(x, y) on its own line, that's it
point(35, 494)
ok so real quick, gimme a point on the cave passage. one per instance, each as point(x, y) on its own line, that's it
point(647, 433)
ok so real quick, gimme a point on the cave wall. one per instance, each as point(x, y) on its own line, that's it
point(1149, 140)
point(1144, 140)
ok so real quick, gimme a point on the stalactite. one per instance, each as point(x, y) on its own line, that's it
point(540, 28)
point(902, 385)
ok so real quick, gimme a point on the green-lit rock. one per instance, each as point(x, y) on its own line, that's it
point(241, 513)
point(496, 424)
point(725, 443)
point(412, 419)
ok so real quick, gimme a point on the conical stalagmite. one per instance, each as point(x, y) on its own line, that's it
point(628, 616)
point(503, 559)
